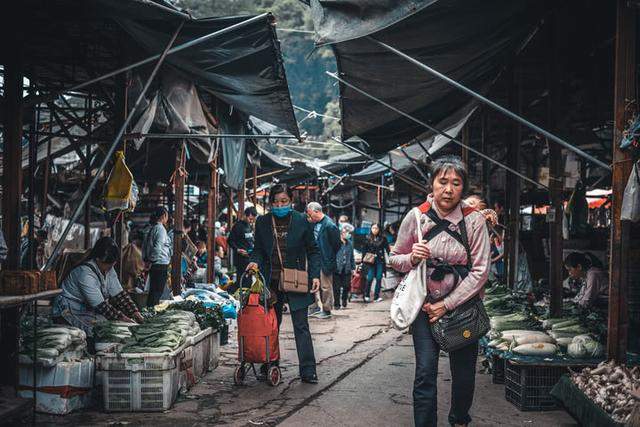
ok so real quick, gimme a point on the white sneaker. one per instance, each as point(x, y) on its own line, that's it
point(379, 300)
point(367, 299)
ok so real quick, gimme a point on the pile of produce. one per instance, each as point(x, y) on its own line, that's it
point(524, 342)
point(54, 343)
point(112, 332)
point(207, 317)
point(613, 387)
point(162, 333)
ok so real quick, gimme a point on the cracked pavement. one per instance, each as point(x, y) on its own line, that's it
point(365, 371)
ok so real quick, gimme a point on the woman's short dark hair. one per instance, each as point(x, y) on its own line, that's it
point(105, 250)
point(158, 212)
point(277, 189)
point(371, 236)
point(450, 162)
point(586, 260)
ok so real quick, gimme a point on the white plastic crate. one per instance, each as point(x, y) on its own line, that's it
point(187, 374)
point(206, 352)
point(139, 382)
point(60, 389)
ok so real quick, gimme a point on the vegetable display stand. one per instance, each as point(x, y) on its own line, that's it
point(583, 409)
point(497, 369)
point(528, 387)
point(139, 382)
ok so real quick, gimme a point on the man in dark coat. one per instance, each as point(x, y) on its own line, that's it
point(327, 236)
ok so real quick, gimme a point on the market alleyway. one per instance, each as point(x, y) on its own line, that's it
point(365, 369)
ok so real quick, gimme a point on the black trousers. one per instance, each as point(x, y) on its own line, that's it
point(158, 275)
point(302, 334)
point(425, 393)
point(341, 283)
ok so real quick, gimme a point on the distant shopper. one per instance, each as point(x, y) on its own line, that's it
point(3, 248)
point(92, 292)
point(587, 270)
point(157, 251)
point(201, 254)
point(241, 239)
point(328, 238)
point(446, 221)
point(376, 248)
point(284, 239)
point(345, 265)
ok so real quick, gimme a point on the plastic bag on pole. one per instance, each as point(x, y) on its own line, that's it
point(119, 194)
point(631, 198)
point(411, 292)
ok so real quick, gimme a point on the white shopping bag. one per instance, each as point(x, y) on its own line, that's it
point(411, 292)
point(631, 199)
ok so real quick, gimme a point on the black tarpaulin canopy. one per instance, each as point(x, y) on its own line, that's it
point(468, 40)
point(64, 43)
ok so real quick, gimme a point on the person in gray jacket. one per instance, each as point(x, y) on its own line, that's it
point(345, 264)
point(157, 251)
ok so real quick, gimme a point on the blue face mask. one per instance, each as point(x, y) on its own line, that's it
point(281, 211)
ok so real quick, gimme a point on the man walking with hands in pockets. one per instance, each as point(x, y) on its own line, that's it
point(328, 239)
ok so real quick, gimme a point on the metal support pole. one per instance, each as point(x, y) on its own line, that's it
point(493, 105)
point(255, 185)
point(150, 59)
point(179, 178)
point(87, 175)
point(420, 122)
point(109, 154)
point(486, 188)
point(624, 89)
point(212, 214)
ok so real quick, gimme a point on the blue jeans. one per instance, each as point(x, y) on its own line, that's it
point(425, 392)
point(374, 271)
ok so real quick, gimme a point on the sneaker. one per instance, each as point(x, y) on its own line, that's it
point(379, 299)
point(337, 307)
point(367, 299)
point(313, 379)
point(323, 315)
point(314, 311)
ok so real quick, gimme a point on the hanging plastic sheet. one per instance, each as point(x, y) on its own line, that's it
point(234, 150)
point(467, 40)
point(174, 108)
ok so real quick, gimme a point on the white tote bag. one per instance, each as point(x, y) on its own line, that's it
point(631, 199)
point(411, 292)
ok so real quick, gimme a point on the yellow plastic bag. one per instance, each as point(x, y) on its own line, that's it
point(119, 188)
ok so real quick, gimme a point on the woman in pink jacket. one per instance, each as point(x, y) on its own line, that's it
point(457, 249)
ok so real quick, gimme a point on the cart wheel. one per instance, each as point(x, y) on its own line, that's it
point(274, 375)
point(239, 375)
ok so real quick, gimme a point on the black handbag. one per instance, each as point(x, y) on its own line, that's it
point(469, 321)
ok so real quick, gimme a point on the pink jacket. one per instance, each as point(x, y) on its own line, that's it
point(446, 247)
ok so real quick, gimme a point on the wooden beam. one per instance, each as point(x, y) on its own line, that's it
point(11, 196)
point(255, 185)
point(624, 91)
point(178, 218)
point(514, 148)
point(556, 171)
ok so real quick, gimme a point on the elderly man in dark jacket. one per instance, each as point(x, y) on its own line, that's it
point(328, 238)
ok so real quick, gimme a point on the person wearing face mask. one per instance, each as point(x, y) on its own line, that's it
point(345, 265)
point(91, 292)
point(456, 248)
point(284, 239)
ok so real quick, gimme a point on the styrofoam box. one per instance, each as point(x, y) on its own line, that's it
point(60, 389)
point(187, 374)
point(139, 382)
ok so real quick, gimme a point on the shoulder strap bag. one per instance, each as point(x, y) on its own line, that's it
point(469, 321)
point(291, 279)
point(412, 290)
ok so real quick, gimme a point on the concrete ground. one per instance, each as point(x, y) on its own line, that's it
point(366, 373)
